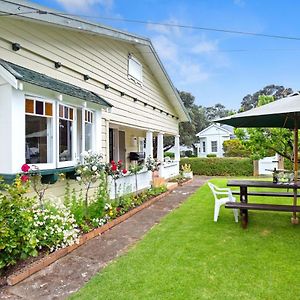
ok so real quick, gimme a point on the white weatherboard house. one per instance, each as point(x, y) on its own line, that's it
point(69, 85)
point(211, 139)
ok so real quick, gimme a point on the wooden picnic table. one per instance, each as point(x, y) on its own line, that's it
point(244, 206)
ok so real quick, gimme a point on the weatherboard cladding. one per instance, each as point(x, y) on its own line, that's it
point(47, 82)
point(104, 59)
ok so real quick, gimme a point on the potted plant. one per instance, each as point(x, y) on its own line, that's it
point(187, 171)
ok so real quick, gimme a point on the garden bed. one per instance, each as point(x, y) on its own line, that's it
point(32, 265)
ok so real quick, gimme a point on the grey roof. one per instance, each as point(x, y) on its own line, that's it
point(50, 83)
point(228, 128)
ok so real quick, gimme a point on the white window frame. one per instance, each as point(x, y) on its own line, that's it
point(83, 129)
point(131, 75)
point(52, 165)
point(69, 163)
point(212, 147)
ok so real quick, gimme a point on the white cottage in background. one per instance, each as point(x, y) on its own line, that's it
point(68, 85)
point(211, 139)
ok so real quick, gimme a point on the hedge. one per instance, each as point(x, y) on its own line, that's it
point(216, 166)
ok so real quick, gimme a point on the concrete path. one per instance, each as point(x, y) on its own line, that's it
point(71, 272)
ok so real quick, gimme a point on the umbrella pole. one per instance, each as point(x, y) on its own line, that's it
point(294, 217)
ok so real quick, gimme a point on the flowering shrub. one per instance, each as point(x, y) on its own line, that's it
point(55, 227)
point(89, 171)
point(115, 170)
point(151, 164)
point(34, 177)
point(17, 237)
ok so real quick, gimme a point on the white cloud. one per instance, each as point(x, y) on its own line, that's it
point(205, 47)
point(166, 29)
point(167, 49)
point(86, 6)
point(188, 55)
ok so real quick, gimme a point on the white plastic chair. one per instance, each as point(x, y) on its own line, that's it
point(220, 201)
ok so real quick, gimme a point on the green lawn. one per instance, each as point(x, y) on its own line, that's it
point(188, 256)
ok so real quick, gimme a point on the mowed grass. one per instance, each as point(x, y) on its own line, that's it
point(188, 256)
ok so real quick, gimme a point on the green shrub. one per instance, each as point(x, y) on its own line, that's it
point(188, 153)
point(220, 166)
point(211, 155)
point(17, 235)
point(169, 154)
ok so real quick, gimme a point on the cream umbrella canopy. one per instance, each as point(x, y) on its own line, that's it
point(283, 113)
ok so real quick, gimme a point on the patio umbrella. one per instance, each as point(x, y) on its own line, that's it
point(283, 113)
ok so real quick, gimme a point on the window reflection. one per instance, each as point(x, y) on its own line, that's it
point(38, 147)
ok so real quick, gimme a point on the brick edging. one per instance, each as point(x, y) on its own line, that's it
point(187, 182)
point(52, 257)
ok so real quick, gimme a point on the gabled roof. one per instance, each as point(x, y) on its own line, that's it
point(53, 17)
point(35, 78)
point(222, 128)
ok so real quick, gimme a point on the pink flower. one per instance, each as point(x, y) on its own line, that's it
point(24, 178)
point(25, 168)
point(114, 167)
point(124, 171)
point(120, 162)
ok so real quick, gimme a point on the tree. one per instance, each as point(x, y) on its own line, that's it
point(235, 148)
point(217, 111)
point(188, 130)
point(276, 91)
point(264, 142)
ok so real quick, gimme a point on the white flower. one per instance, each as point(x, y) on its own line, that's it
point(84, 154)
point(78, 171)
point(78, 178)
point(94, 168)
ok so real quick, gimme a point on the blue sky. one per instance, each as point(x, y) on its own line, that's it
point(215, 67)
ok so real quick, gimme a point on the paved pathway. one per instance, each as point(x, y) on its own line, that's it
point(71, 272)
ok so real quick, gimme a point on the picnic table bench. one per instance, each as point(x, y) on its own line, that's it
point(244, 206)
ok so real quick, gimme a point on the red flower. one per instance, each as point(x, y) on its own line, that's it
point(25, 168)
point(24, 178)
point(114, 167)
point(113, 162)
point(124, 171)
point(120, 162)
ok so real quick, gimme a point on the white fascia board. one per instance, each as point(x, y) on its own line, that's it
point(8, 77)
point(57, 18)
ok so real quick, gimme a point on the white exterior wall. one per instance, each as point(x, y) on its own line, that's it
point(214, 133)
point(104, 59)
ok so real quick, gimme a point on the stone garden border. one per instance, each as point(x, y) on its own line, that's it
point(52, 257)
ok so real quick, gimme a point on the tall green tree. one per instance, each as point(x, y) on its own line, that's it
point(276, 91)
point(188, 130)
point(264, 142)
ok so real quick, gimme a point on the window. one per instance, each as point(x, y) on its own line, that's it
point(214, 146)
point(88, 129)
point(38, 131)
point(66, 117)
point(203, 147)
point(135, 69)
